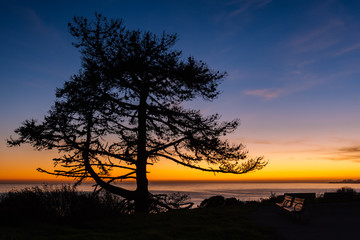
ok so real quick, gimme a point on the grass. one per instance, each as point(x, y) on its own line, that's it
point(62, 213)
point(211, 223)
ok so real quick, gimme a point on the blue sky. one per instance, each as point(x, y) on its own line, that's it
point(293, 68)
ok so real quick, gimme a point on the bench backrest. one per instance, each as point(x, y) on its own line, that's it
point(306, 196)
point(287, 200)
point(298, 204)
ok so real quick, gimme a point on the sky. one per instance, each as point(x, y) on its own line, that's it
point(293, 77)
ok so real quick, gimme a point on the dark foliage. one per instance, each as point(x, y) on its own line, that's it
point(219, 201)
point(174, 201)
point(232, 202)
point(60, 204)
point(347, 190)
point(341, 195)
point(272, 199)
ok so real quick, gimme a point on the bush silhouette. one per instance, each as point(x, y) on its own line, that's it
point(59, 203)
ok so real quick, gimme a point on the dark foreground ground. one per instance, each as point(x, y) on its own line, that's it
point(320, 221)
point(215, 223)
point(258, 222)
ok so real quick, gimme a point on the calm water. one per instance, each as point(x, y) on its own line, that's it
point(198, 191)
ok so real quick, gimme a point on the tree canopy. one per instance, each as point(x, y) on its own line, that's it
point(123, 110)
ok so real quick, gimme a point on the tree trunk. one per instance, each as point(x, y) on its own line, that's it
point(142, 200)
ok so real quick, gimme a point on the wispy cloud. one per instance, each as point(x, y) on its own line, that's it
point(294, 142)
point(351, 153)
point(316, 32)
point(264, 93)
point(307, 146)
point(293, 83)
point(318, 44)
point(237, 75)
point(39, 26)
point(298, 81)
point(245, 5)
point(317, 38)
point(235, 15)
point(354, 47)
point(303, 63)
point(256, 141)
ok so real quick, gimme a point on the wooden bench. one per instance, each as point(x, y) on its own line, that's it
point(287, 201)
point(309, 197)
point(296, 207)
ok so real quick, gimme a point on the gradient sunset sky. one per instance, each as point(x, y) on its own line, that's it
point(293, 77)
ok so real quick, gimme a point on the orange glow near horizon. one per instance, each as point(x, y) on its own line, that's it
point(22, 163)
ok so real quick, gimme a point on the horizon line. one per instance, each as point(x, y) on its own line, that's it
point(53, 181)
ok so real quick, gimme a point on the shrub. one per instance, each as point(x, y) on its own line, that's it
point(273, 198)
point(346, 190)
point(59, 203)
point(167, 202)
point(215, 201)
point(232, 202)
point(219, 201)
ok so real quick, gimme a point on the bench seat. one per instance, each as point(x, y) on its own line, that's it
point(297, 206)
point(287, 201)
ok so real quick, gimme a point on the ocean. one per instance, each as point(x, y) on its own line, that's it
point(198, 191)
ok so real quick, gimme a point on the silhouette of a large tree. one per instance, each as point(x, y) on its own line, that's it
point(123, 112)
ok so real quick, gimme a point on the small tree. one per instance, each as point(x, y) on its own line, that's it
point(123, 111)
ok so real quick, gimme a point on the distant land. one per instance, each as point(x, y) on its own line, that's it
point(347, 181)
